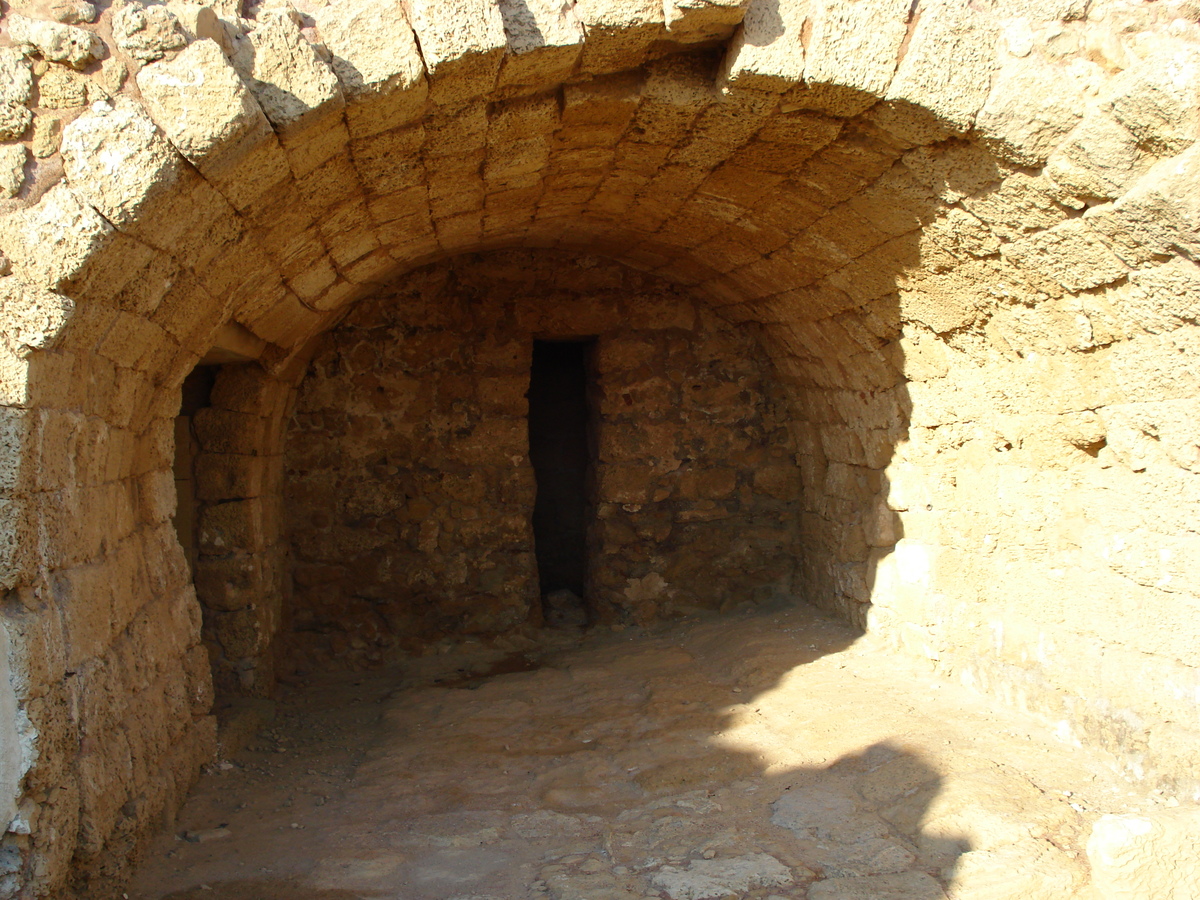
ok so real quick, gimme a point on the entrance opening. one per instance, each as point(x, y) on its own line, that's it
point(195, 395)
point(559, 451)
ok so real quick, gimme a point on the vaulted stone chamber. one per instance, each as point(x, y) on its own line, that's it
point(410, 494)
point(932, 263)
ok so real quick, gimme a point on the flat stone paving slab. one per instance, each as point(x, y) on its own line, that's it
point(761, 755)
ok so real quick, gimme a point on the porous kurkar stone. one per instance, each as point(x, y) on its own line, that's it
point(963, 240)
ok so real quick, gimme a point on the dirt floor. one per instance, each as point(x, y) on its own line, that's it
point(762, 755)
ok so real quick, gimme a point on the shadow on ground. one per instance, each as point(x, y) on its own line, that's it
point(755, 756)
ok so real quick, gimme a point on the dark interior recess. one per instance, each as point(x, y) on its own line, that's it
point(558, 449)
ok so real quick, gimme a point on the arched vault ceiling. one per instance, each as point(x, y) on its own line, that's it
point(793, 161)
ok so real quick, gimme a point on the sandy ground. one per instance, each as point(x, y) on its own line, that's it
point(763, 755)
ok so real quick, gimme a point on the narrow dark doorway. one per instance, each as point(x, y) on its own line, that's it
point(558, 449)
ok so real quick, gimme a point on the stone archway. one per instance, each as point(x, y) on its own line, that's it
point(981, 296)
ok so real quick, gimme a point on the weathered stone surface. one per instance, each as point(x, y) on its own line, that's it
point(34, 318)
point(1158, 99)
point(376, 59)
point(1031, 108)
point(1098, 159)
point(462, 43)
point(869, 34)
point(62, 88)
point(545, 41)
point(1071, 254)
point(147, 33)
point(708, 879)
point(954, 93)
point(15, 119)
point(283, 71)
point(47, 135)
point(55, 41)
point(766, 53)
point(1159, 217)
point(12, 169)
point(16, 79)
point(54, 240)
point(619, 32)
point(1139, 857)
point(693, 21)
point(906, 886)
point(118, 161)
point(207, 112)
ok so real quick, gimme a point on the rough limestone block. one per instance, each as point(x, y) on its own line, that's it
point(33, 318)
point(55, 41)
point(619, 32)
point(545, 39)
point(235, 525)
point(947, 30)
point(375, 57)
point(137, 181)
point(852, 53)
point(52, 243)
point(285, 321)
point(1032, 107)
point(766, 54)
point(1155, 856)
point(1071, 254)
point(462, 42)
point(147, 33)
point(292, 84)
point(15, 119)
point(675, 93)
point(227, 431)
point(1159, 217)
point(1099, 159)
point(200, 22)
point(72, 12)
point(207, 112)
point(115, 157)
point(696, 21)
point(156, 497)
point(16, 77)
point(1158, 98)
point(61, 87)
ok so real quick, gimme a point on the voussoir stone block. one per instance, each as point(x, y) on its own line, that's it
point(205, 109)
point(462, 42)
point(693, 21)
point(852, 53)
point(375, 57)
point(619, 32)
point(1032, 107)
point(545, 40)
point(954, 91)
point(1099, 158)
point(767, 54)
point(291, 82)
point(1158, 99)
point(1159, 217)
point(53, 242)
point(115, 157)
